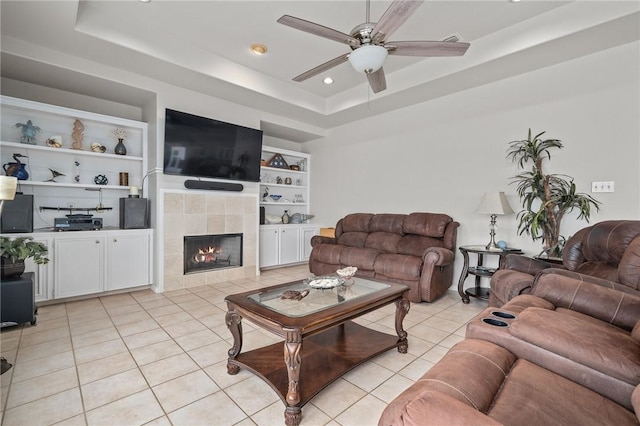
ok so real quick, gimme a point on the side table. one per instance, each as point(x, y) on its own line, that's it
point(479, 270)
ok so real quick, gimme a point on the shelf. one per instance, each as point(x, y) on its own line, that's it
point(276, 169)
point(67, 151)
point(282, 204)
point(282, 185)
point(72, 185)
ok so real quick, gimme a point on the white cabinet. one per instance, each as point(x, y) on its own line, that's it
point(285, 244)
point(79, 266)
point(42, 274)
point(306, 233)
point(80, 167)
point(128, 261)
point(289, 244)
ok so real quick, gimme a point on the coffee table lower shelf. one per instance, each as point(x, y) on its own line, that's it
point(325, 357)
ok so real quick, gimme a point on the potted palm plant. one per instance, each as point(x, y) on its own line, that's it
point(14, 251)
point(546, 198)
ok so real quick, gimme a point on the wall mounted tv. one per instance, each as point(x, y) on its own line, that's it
point(203, 147)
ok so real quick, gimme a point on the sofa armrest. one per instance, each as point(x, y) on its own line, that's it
point(321, 239)
point(607, 304)
point(438, 256)
point(525, 264)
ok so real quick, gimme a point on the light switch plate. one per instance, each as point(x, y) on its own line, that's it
point(602, 186)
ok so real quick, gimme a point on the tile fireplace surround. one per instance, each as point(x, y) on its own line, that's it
point(207, 212)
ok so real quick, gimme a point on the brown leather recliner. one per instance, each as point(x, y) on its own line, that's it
point(416, 249)
point(607, 253)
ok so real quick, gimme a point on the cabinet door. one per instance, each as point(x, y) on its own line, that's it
point(127, 261)
point(306, 233)
point(79, 266)
point(289, 245)
point(268, 247)
point(41, 273)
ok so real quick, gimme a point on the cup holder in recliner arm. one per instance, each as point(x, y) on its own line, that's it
point(504, 315)
point(495, 322)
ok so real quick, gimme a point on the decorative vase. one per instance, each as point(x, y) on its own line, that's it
point(285, 217)
point(17, 170)
point(11, 270)
point(120, 149)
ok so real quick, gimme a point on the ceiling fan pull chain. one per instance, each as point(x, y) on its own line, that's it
point(368, 11)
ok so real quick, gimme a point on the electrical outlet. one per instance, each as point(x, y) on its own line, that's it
point(602, 186)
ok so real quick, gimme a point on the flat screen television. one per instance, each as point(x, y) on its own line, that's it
point(203, 147)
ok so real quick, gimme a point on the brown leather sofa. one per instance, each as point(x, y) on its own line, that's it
point(569, 353)
point(416, 249)
point(608, 250)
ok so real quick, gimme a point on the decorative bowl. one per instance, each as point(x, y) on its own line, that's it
point(275, 197)
point(325, 281)
point(347, 272)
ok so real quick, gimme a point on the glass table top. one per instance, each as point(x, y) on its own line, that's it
point(314, 299)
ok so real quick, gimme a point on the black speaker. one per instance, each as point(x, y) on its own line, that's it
point(17, 215)
point(134, 213)
point(262, 214)
point(213, 186)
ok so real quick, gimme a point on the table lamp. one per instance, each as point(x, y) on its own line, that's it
point(494, 203)
point(8, 185)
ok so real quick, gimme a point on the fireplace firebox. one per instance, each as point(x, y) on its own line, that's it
point(207, 252)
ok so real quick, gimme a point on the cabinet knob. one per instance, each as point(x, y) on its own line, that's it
point(97, 241)
point(115, 240)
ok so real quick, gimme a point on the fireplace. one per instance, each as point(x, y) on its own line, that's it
point(209, 252)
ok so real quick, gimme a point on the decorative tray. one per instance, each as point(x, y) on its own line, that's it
point(326, 281)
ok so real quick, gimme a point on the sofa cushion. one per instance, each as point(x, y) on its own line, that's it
point(386, 222)
point(383, 241)
point(427, 224)
point(356, 222)
point(328, 253)
point(362, 258)
point(607, 241)
point(416, 245)
point(353, 239)
point(534, 395)
point(614, 352)
point(398, 266)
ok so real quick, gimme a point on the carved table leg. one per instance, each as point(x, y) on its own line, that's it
point(234, 324)
point(463, 276)
point(402, 309)
point(292, 359)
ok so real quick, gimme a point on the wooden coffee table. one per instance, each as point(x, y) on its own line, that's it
point(321, 343)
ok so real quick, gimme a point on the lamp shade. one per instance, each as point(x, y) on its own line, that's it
point(494, 203)
point(368, 58)
point(8, 185)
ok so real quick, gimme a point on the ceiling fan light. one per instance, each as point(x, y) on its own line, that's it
point(368, 58)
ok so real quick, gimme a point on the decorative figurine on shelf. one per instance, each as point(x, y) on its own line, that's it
point(76, 171)
point(285, 217)
point(28, 132)
point(77, 135)
point(16, 169)
point(101, 180)
point(54, 142)
point(120, 149)
point(96, 147)
point(54, 175)
point(266, 193)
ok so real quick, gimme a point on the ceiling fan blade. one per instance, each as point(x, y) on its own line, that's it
point(319, 30)
point(321, 68)
point(394, 16)
point(377, 81)
point(426, 48)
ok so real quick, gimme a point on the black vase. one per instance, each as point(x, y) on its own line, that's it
point(11, 270)
point(120, 149)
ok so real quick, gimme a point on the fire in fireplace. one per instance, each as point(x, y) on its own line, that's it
point(207, 252)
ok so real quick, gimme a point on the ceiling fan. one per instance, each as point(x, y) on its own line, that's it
point(369, 44)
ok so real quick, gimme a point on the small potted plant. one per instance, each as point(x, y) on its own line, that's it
point(13, 253)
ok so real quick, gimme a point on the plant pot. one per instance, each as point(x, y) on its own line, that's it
point(11, 270)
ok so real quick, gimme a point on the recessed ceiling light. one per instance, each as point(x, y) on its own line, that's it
point(327, 80)
point(514, 1)
point(258, 49)
point(145, 1)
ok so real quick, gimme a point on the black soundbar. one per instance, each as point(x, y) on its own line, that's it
point(213, 186)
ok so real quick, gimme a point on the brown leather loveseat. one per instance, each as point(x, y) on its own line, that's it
point(608, 250)
point(416, 249)
point(567, 354)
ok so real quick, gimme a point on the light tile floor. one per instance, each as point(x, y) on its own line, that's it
point(142, 358)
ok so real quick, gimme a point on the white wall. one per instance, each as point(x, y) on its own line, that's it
point(440, 156)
